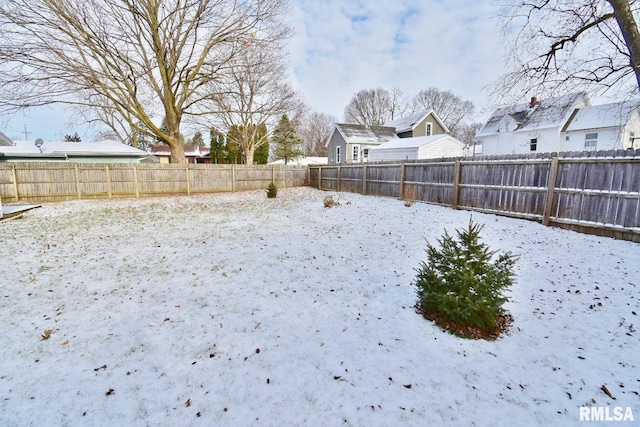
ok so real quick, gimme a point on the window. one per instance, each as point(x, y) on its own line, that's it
point(566, 138)
point(338, 154)
point(356, 154)
point(591, 140)
point(428, 129)
point(533, 144)
point(632, 137)
point(365, 155)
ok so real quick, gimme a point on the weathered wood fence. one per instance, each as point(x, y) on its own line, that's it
point(591, 192)
point(56, 181)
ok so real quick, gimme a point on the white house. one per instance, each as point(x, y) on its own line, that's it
point(528, 128)
point(604, 127)
point(420, 147)
point(566, 123)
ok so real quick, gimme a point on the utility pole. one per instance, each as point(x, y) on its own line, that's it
point(26, 133)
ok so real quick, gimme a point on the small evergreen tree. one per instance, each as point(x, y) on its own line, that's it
point(288, 144)
point(460, 285)
point(272, 191)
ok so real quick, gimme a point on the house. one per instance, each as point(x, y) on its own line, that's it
point(532, 127)
point(193, 153)
point(604, 127)
point(80, 152)
point(420, 147)
point(350, 143)
point(424, 123)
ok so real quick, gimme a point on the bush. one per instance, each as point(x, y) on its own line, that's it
point(329, 202)
point(460, 287)
point(272, 191)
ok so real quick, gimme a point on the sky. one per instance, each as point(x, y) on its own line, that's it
point(343, 46)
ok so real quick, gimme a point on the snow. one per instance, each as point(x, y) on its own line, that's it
point(603, 116)
point(234, 309)
point(77, 148)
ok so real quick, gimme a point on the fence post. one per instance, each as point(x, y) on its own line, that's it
point(135, 181)
point(320, 178)
point(551, 186)
point(78, 190)
point(402, 179)
point(364, 179)
point(15, 182)
point(186, 171)
point(456, 184)
point(233, 178)
point(339, 178)
point(106, 169)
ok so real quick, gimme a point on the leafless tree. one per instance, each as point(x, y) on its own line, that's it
point(374, 107)
point(314, 130)
point(450, 108)
point(570, 45)
point(134, 59)
point(251, 95)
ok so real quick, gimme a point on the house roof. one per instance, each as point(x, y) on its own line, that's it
point(552, 112)
point(55, 149)
point(416, 142)
point(603, 116)
point(359, 134)
point(163, 150)
point(408, 123)
point(4, 140)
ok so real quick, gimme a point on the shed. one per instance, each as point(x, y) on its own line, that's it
point(421, 147)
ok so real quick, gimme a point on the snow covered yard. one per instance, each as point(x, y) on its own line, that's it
point(233, 310)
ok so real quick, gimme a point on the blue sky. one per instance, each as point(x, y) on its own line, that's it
point(343, 46)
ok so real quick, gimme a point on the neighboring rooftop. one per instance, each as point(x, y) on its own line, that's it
point(536, 114)
point(355, 134)
point(4, 140)
point(603, 116)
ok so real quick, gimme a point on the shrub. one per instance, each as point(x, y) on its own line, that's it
point(329, 202)
point(461, 288)
point(272, 191)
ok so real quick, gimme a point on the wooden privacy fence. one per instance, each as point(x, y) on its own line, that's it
point(55, 181)
point(592, 192)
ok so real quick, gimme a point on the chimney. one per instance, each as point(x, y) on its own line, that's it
point(534, 101)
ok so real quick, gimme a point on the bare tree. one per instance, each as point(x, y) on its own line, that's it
point(253, 94)
point(373, 107)
point(134, 59)
point(568, 45)
point(314, 130)
point(451, 109)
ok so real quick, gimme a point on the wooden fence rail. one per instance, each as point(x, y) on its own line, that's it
point(591, 192)
point(56, 181)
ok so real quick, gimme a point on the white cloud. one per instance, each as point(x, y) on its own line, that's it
point(342, 47)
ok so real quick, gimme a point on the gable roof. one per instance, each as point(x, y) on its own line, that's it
point(416, 142)
point(552, 112)
point(405, 124)
point(360, 134)
point(603, 116)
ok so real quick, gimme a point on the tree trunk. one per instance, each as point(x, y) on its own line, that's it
point(248, 155)
point(629, 28)
point(177, 153)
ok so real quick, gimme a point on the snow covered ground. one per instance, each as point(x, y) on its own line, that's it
point(237, 310)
